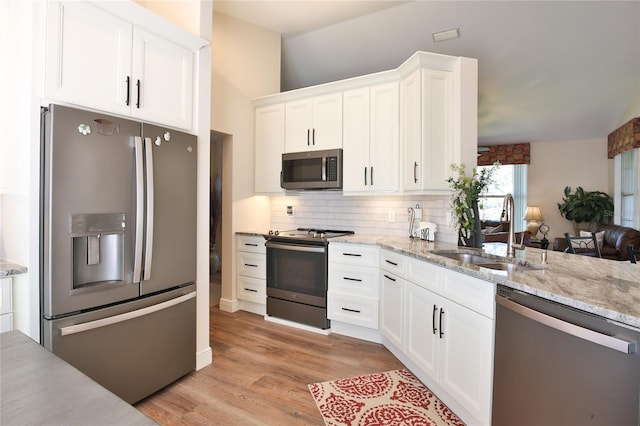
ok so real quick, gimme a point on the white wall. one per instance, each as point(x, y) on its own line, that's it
point(555, 165)
point(21, 38)
point(245, 65)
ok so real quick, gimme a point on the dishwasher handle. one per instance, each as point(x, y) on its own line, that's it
point(605, 340)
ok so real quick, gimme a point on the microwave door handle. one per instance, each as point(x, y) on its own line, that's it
point(324, 169)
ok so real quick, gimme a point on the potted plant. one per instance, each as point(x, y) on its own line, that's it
point(586, 207)
point(464, 202)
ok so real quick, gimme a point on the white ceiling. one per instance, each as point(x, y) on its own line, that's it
point(548, 70)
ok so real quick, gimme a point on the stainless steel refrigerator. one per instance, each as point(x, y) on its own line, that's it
point(118, 249)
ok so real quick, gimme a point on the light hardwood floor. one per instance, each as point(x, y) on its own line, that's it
point(260, 374)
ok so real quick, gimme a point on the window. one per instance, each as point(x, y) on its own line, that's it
point(508, 179)
point(628, 189)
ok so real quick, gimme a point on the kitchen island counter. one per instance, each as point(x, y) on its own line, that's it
point(39, 388)
point(607, 288)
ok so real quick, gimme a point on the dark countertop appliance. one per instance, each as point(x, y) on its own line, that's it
point(297, 268)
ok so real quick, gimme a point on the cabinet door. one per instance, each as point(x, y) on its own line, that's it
point(298, 123)
point(392, 312)
point(326, 132)
point(6, 299)
point(422, 309)
point(88, 56)
point(162, 81)
point(384, 142)
point(437, 130)
point(355, 156)
point(411, 131)
point(269, 148)
point(466, 358)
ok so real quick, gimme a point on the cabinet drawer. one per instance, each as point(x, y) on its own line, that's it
point(353, 254)
point(425, 274)
point(252, 289)
point(358, 280)
point(473, 293)
point(392, 262)
point(252, 265)
point(356, 310)
point(251, 243)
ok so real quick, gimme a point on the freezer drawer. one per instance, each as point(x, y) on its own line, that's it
point(132, 349)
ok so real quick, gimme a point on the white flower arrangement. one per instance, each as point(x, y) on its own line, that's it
point(466, 190)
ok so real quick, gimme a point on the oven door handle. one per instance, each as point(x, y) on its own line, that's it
point(295, 247)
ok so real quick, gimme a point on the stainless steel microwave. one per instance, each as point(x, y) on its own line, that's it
point(312, 170)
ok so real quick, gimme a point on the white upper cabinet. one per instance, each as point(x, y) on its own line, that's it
point(439, 116)
point(427, 140)
point(162, 81)
point(100, 60)
point(370, 139)
point(314, 123)
point(88, 57)
point(269, 148)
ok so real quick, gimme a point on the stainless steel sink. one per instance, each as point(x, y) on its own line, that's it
point(466, 257)
point(489, 263)
point(509, 267)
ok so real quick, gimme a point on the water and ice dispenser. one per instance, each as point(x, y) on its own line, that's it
point(98, 248)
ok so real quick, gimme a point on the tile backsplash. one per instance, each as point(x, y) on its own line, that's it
point(372, 215)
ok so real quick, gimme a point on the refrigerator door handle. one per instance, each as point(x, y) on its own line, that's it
point(148, 251)
point(92, 325)
point(137, 254)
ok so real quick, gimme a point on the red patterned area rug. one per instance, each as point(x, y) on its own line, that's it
point(391, 398)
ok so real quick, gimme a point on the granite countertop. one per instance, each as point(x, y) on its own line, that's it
point(603, 287)
point(37, 388)
point(8, 269)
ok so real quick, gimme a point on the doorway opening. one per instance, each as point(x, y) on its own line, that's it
point(215, 220)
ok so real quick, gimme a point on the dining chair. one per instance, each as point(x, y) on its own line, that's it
point(585, 246)
point(634, 255)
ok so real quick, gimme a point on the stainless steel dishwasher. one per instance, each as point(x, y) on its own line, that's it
point(555, 365)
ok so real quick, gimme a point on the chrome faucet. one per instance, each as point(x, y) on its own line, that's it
point(507, 216)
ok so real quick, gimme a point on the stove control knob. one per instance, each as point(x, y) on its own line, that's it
point(277, 232)
point(322, 235)
point(270, 232)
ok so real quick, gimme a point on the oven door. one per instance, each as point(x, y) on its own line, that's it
point(297, 272)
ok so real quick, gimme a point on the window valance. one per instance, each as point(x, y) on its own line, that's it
point(624, 138)
point(519, 153)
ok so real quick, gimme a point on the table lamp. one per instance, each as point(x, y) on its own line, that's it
point(533, 216)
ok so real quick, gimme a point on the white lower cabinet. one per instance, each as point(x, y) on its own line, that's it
point(6, 305)
point(251, 273)
point(353, 292)
point(449, 342)
point(392, 318)
point(466, 358)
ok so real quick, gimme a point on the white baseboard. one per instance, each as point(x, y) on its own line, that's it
point(204, 358)
point(228, 305)
point(358, 332)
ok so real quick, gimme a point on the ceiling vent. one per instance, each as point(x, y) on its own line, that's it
point(446, 34)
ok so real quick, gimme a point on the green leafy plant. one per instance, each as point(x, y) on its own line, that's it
point(466, 191)
point(588, 207)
